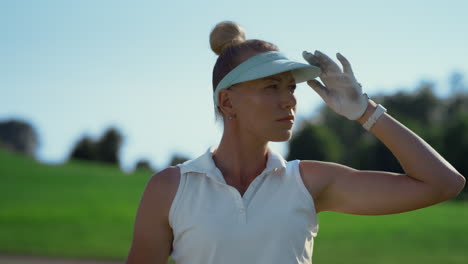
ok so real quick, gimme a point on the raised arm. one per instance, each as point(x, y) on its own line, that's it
point(152, 238)
point(428, 177)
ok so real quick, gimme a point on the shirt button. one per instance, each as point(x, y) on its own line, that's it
point(242, 211)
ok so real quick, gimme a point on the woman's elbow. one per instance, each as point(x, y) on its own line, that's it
point(455, 186)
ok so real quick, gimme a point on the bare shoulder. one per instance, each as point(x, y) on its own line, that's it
point(162, 187)
point(152, 237)
point(317, 175)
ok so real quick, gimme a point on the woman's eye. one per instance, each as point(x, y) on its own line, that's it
point(292, 87)
point(274, 86)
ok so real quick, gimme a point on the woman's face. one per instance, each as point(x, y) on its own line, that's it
point(258, 104)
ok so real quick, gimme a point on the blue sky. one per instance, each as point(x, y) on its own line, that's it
point(75, 68)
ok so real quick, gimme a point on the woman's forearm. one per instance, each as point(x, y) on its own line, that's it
point(418, 159)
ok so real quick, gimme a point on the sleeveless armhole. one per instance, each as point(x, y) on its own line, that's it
point(300, 182)
point(175, 202)
point(308, 196)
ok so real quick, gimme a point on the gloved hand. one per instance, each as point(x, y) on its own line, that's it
point(341, 92)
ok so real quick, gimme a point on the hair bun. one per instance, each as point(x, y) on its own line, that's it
point(225, 34)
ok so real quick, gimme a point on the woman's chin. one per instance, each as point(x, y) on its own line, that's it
point(282, 137)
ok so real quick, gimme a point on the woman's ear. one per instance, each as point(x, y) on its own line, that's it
point(225, 101)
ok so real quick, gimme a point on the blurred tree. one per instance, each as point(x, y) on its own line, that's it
point(454, 104)
point(85, 149)
point(18, 136)
point(108, 146)
point(455, 144)
point(456, 83)
point(314, 142)
point(177, 159)
point(345, 132)
point(144, 164)
point(419, 107)
point(106, 149)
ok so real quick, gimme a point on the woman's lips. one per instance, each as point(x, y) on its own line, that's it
point(288, 119)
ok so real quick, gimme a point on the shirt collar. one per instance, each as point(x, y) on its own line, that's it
point(205, 164)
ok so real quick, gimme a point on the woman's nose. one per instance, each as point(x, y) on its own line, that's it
point(288, 100)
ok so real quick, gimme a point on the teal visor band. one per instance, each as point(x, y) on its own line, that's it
point(263, 65)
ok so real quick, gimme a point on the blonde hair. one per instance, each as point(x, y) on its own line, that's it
point(225, 34)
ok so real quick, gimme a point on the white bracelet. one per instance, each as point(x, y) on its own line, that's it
point(373, 118)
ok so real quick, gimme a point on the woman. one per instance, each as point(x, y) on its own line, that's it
point(241, 202)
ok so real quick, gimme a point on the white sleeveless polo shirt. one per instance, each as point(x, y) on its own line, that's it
point(274, 222)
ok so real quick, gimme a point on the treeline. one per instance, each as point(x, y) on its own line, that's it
point(21, 137)
point(441, 122)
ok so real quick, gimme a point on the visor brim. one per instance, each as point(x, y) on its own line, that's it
point(301, 72)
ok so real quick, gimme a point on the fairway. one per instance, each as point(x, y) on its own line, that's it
point(86, 210)
point(436, 234)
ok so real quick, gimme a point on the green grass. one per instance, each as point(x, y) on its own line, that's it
point(79, 209)
point(87, 210)
point(436, 234)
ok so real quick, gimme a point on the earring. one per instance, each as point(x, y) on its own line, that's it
point(230, 117)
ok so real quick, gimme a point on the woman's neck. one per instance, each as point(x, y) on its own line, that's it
point(240, 159)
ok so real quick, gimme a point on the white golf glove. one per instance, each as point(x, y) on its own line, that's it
point(341, 92)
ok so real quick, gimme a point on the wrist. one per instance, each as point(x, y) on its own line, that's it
point(369, 110)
